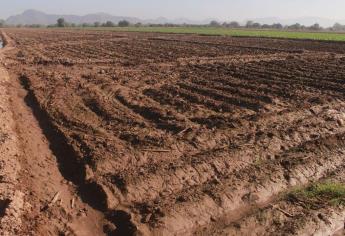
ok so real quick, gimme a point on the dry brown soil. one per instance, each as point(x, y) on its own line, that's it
point(157, 134)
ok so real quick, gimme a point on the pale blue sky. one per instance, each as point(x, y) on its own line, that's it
point(193, 9)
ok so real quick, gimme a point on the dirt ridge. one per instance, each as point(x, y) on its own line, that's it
point(189, 135)
point(11, 197)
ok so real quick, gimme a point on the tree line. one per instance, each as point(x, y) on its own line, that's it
point(61, 22)
point(256, 25)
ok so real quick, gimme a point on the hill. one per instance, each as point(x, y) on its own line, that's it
point(38, 17)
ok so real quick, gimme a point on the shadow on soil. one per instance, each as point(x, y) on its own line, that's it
point(72, 168)
point(3, 206)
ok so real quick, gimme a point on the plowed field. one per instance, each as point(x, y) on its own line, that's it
point(184, 134)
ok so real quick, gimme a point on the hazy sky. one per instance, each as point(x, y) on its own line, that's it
point(193, 9)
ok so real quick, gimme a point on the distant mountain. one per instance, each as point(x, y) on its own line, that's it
point(38, 17)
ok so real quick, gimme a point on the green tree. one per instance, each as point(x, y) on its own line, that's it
point(61, 22)
point(214, 23)
point(256, 25)
point(123, 23)
point(249, 24)
point(109, 24)
point(277, 26)
point(234, 24)
point(85, 25)
point(296, 26)
point(316, 26)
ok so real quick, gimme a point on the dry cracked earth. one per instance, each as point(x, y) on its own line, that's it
point(108, 133)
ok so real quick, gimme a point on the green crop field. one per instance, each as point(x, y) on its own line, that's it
point(234, 32)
